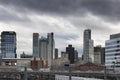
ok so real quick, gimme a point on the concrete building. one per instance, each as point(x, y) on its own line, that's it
point(43, 47)
point(112, 52)
point(103, 55)
point(71, 54)
point(64, 55)
point(88, 50)
point(8, 44)
point(36, 64)
point(36, 45)
point(58, 64)
point(99, 53)
point(56, 53)
point(23, 55)
point(51, 48)
point(76, 56)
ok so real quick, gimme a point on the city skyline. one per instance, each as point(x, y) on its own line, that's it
point(66, 18)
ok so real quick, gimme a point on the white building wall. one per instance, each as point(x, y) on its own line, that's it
point(112, 54)
point(91, 51)
point(43, 50)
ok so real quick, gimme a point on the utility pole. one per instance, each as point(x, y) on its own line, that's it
point(70, 72)
point(25, 73)
point(105, 76)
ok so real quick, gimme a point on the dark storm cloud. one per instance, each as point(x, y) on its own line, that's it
point(108, 9)
point(9, 15)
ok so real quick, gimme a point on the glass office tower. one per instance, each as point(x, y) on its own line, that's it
point(8, 44)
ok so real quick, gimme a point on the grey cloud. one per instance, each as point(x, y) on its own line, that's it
point(107, 9)
point(66, 36)
point(9, 16)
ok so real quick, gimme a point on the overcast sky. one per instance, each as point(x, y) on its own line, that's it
point(66, 18)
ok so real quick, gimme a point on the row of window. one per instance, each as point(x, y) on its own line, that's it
point(112, 58)
point(116, 50)
point(115, 46)
point(116, 54)
point(114, 42)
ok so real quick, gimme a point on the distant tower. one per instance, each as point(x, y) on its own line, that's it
point(88, 50)
point(76, 55)
point(51, 48)
point(71, 53)
point(36, 45)
point(99, 53)
point(56, 53)
point(43, 48)
point(8, 44)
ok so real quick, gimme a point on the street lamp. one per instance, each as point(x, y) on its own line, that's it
point(70, 72)
point(25, 73)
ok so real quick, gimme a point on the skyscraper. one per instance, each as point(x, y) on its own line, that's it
point(51, 48)
point(88, 50)
point(112, 52)
point(36, 45)
point(8, 44)
point(56, 53)
point(76, 55)
point(71, 53)
point(99, 53)
point(43, 48)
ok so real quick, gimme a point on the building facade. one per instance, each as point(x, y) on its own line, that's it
point(43, 50)
point(71, 54)
point(56, 53)
point(76, 56)
point(36, 45)
point(112, 52)
point(64, 55)
point(88, 50)
point(8, 44)
point(23, 55)
point(99, 53)
point(51, 48)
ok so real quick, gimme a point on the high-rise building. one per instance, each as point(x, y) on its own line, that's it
point(8, 44)
point(56, 53)
point(64, 55)
point(99, 53)
point(88, 50)
point(76, 55)
point(103, 55)
point(112, 52)
point(36, 45)
point(43, 48)
point(51, 48)
point(71, 54)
